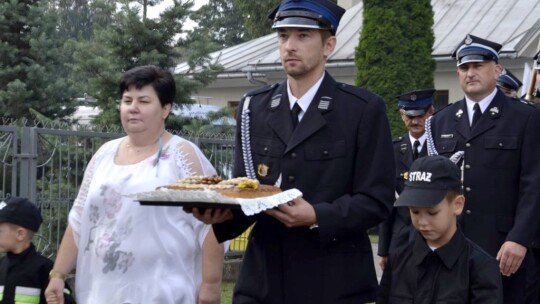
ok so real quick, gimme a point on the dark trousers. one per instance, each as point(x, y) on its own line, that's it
point(533, 279)
point(514, 287)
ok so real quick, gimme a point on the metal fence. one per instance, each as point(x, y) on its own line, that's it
point(46, 163)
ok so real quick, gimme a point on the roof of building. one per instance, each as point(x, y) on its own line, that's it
point(512, 23)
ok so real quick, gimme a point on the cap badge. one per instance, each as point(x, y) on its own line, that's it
point(262, 170)
point(2, 205)
point(459, 113)
point(413, 97)
point(468, 40)
point(494, 111)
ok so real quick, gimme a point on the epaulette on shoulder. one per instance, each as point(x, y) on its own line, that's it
point(525, 101)
point(397, 139)
point(443, 108)
point(260, 90)
point(359, 92)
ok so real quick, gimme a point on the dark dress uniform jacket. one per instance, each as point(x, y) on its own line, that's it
point(397, 229)
point(459, 272)
point(29, 270)
point(501, 170)
point(338, 156)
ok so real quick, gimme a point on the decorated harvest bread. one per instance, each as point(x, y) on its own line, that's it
point(240, 187)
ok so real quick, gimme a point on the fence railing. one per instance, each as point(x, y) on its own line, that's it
point(46, 163)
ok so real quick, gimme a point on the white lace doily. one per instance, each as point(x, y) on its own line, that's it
point(249, 206)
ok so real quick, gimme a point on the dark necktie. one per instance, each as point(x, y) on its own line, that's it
point(294, 114)
point(415, 149)
point(476, 115)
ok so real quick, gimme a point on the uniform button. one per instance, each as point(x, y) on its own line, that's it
point(293, 155)
point(467, 166)
point(291, 179)
point(265, 149)
point(468, 189)
point(467, 145)
point(501, 144)
point(325, 153)
point(334, 239)
point(468, 212)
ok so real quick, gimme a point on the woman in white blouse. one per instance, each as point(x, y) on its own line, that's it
point(125, 252)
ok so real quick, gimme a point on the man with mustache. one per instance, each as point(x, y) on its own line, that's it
point(414, 108)
point(500, 142)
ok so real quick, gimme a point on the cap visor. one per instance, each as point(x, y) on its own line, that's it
point(420, 197)
point(416, 112)
point(473, 58)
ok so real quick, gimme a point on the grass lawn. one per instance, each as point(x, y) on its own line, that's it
point(226, 292)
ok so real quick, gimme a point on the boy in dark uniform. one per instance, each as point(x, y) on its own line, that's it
point(24, 273)
point(414, 108)
point(442, 265)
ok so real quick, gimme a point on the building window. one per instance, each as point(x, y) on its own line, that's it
point(441, 99)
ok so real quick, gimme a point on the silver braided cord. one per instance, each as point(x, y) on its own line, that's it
point(455, 158)
point(430, 144)
point(245, 138)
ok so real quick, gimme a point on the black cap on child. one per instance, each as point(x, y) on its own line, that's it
point(20, 211)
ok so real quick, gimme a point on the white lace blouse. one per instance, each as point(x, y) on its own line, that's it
point(128, 253)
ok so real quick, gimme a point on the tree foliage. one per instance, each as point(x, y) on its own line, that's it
point(394, 52)
point(220, 22)
point(32, 73)
point(131, 41)
point(255, 14)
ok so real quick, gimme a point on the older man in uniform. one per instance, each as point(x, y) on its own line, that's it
point(508, 83)
point(332, 142)
point(414, 108)
point(499, 139)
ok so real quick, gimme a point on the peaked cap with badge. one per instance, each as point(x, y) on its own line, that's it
point(416, 103)
point(314, 14)
point(20, 211)
point(429, 180)
point(475, 49)
point(508, 81)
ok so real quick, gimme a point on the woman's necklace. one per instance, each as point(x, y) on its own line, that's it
point(136, 153)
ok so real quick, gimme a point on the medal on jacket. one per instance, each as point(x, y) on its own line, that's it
point(262, 170)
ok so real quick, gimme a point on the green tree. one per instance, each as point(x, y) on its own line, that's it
point(131, 41)
point(221, 23)
point(32, 57)
point(394, 52)
point(255, 15)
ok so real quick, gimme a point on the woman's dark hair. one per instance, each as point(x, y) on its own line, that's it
point(161, 80)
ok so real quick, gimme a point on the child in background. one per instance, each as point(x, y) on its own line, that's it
point(24, 273)
point(441, 265)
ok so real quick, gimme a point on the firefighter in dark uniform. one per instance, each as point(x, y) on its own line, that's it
point(509, 84)
point(414, 108)
point(24, 273)
point(499, 141)
point(314, 249)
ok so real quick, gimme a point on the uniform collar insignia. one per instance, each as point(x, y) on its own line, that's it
point(459, 113)
point(324, 103)
point(276, 100)
point(494, 111)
